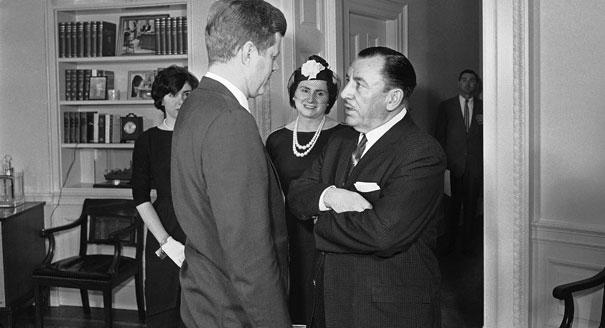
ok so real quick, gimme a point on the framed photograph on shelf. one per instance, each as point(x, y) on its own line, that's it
point(137, 35)
point(98, 88)
point(139, 84)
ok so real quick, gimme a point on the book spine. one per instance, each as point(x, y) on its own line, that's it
point(90, 127)
point(68, 26)
point(110, 78)
point(79, 84)
point(101, 128)
point(72, 126)
point(158, 36)
point(173, 40)
point(107, 39)
point(100, 39)
point(86, 88)
point(74, 39)
point(65, 127)
point(86, 39)
point(185, 35)
point(80, 39)
point(108, 128)
point(164, 36)
point(115, 134)
point(94, 26)
point(61, 40)
point(68, 84)
point(96, 127)
point(179, 35)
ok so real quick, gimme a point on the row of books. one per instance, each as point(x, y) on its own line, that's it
point(91, 127)
point(171, 35)
point(78, 86)
point(87, 39)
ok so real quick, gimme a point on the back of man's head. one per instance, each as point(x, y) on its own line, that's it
point(231, 23)
point(397, 71)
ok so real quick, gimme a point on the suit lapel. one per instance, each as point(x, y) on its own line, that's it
point(344, 161)
point(381, 146)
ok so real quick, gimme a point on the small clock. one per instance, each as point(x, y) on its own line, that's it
point(131, 127)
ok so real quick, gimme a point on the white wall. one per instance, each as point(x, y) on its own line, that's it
point(23, 90)
point(569, 166)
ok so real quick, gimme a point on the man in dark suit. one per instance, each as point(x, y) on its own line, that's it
point(374, 196)
point(226, 194)
point(460, 132)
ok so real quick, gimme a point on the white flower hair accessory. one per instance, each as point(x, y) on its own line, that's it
point(311, 68)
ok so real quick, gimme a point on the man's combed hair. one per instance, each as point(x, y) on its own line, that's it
point(397, 71)
point(231, 23)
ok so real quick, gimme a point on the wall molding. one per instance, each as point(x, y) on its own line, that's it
point(570, 233)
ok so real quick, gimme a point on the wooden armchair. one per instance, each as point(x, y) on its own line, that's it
point(102, 222)
point(565, 293)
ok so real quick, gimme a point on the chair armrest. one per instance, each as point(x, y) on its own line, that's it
point(49, 231)
point(117, 244)
point(562, 291)
point(50, 235)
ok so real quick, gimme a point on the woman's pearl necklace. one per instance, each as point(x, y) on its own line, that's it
point(305, 148)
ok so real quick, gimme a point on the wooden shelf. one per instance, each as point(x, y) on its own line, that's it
point(122, 59)
point(99, 146)
point(105, 102)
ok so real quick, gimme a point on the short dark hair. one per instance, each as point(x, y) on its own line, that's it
point(170, 80)
point(326, 74)
point(231, 23)
point(469, 71)
point(397, 70)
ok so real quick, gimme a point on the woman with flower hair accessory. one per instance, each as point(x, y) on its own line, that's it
point(312, 89)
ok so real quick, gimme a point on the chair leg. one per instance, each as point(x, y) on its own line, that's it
point(85, 303)
point(39, 306)
point(108, 308)
point(138, 282)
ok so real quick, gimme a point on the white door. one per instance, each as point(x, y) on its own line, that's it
point(371, 23)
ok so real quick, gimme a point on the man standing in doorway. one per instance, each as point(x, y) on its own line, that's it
point(460, 132)
point(227, 197)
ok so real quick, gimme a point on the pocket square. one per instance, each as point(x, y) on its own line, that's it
point(366, 186)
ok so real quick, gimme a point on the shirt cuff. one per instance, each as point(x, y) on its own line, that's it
point(322, 205)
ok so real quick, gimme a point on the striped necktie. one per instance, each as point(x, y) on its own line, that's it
point(467, 119)
point(361, 146)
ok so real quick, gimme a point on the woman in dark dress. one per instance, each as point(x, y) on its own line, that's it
point(151, 170)
point(313, 89)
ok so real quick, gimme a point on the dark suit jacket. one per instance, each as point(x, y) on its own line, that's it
point(228, 201)
point(379, 265)
point(461, 148)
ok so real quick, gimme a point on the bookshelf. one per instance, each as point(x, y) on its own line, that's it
point(116, 56)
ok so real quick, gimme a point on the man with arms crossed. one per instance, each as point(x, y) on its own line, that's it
point(226, 195)
point(374, 195)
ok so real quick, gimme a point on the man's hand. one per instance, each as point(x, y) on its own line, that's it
point(342, 200)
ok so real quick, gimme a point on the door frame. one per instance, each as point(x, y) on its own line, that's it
point(507, 161)
point(508, 190)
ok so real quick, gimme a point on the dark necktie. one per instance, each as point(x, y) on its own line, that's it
point(467, 119)
point(361, 146)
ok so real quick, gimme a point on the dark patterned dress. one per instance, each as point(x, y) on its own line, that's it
point(300, 233)
point(151, 170)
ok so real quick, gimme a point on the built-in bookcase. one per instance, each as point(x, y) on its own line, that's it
point(86, 115)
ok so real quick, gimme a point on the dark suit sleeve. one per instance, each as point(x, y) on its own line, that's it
point(406, 204)
point(237, 181)
point(441, 125)
point(304, 192)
